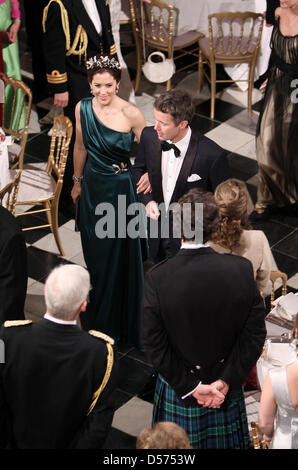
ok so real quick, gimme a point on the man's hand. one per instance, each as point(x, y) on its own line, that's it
point(209, 396)
point(143, 185)
point(152, 210)
point(61, 99)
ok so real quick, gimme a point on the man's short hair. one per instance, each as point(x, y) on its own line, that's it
point(66, 288)
point(189, 218)
point(177, 103)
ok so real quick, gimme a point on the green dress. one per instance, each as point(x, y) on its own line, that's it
point(114, 262)
point(11, 63)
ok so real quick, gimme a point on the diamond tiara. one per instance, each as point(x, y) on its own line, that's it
point(102, 62)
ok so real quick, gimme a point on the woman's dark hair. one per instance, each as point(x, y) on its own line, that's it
point(102, 64)
point(231, 198)
point(177, 103)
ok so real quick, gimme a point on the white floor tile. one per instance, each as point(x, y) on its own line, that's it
point(293, 281)
point(71, 242)
point(248, 149)
point(220, 133)
point(125, 417)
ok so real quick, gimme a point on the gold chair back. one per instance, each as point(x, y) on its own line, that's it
point(54, 172)
point(20, 92)
point(158, 27)
point(274, 275)
point(233, 38)
point(258, 440)
point(8, 195)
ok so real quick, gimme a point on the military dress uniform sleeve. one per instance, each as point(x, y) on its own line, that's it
point(54, 46)
point(13, 278)
point(98, 421)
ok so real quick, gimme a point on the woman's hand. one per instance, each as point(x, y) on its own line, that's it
point(143, 185)
point(13, 30)
point(76, 191)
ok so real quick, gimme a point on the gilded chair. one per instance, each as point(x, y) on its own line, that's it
point(274, 275)
point(157, 29)
point(234, 38)
point(8, 195)
point(43, 187)
point(258, 440)
point(19, 103)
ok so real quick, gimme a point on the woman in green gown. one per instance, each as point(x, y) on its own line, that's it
point(9, 26)
point(105, 127)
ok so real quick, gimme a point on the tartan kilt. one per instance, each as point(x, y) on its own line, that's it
point(207, 428)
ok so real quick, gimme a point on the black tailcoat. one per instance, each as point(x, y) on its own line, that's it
point(202, 319)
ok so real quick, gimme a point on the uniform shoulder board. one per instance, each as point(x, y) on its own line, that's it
point(103, 336)
point(9, 323)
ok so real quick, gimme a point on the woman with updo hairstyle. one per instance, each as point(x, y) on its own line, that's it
point(235, 234)
point(105, 129)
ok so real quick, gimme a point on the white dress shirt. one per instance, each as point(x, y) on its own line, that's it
point(58, 320)
point(91, 9)
point(171, 166)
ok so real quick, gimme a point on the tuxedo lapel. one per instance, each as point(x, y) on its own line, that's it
point(186, 167)
point(84, 19)
point(157, 192)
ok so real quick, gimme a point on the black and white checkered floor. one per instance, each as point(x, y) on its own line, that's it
point(235, 131)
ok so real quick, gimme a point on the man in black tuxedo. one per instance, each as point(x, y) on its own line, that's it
point(203, 320)
point(65, 59)
point(13, 268)
point(194, 162)
point(57, 382)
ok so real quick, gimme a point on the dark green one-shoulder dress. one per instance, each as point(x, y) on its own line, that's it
point(113, 261)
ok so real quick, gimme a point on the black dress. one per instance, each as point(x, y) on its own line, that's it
point(277, 133)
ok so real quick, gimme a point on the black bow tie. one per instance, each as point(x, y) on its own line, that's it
point(165, 146)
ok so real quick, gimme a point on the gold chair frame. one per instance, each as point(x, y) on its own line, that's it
point(11, 191)
point(258, 440)
point(274, 275)
point(59, 146)
point(159, 34)
point(20, 134)
point(228, 49)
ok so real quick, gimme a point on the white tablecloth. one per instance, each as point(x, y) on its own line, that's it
point(193, 15)
point(4, 164)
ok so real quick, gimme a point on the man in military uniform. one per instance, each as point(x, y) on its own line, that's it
point(74, 30)
point(57, 381)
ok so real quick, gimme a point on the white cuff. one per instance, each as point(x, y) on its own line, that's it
point(190, 393)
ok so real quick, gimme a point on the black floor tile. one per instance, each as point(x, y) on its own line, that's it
point(284, 218)
point(203, 124)
point(133, 375)
point(242, 168)
point(289, 245)
point(285, 263)
point(138, 356)
point(273, 230)
point(223, 110)
point(252, 192)
point(121, 398)
point(119, 440)
point(38, 147)
point(41, 263)
point(257, 106)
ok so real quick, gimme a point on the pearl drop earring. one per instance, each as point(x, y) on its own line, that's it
point(91, 91)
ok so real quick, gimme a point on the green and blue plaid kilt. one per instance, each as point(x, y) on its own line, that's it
point(207, 428)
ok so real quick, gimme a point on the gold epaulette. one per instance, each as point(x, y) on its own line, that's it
point(9, 323)
point(81, 38)
point(103, 336)
point(110, 362)
point(56, 77)
point(113, 49)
